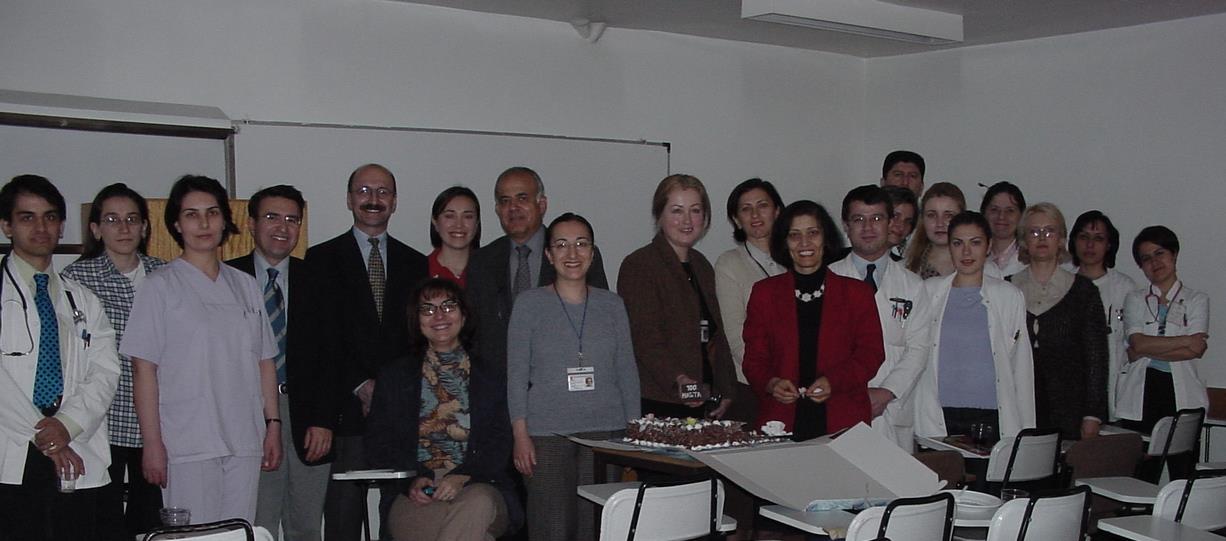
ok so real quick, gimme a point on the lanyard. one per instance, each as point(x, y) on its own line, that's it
point(582, 323)
point(755, 261)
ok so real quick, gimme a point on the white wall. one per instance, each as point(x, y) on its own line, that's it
point(1131, 121)
point(731, 110)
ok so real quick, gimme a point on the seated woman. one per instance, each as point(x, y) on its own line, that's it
point(812, 337)
point(438, 412)
point(1068, 332)
point(978, 336)
point(570, 371)
point(1093, 243)
point(675, 317)
point(455, 233)
point(1167, 325)
point(928, 255)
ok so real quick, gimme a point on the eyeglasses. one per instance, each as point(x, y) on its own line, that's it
point(581, 245)
point(859, 220)
point(113, 220)
point(448, 306)
point(287, 219)
point(1043, 232)
point(366, 191)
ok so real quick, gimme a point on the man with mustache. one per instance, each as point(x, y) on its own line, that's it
point(366, 279)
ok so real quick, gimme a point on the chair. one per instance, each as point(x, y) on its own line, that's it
point(1057, 516)
point(1171, 436)
point(929, 518)
point(1029, 456)
point(235, 529)
point(684, 511)
point(1199, 501)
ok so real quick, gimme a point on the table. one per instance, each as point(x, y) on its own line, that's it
point(1151, 528)
point(1122, 489)
point(599, 494)
point(814, 522)
point(657, 462)
point(941, 445)
point(368, 479)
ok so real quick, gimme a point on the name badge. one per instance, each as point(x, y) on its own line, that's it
point(581, 378)
point(704, 331)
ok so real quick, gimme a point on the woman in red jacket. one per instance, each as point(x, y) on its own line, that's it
point(812, 338)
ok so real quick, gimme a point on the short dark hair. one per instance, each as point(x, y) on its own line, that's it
point(94, 247)
point(832, 241)
point(354, 175)
point(902, 196)
point(196, 183)
point(569, 217)
point(1157, 234)
point(521, 170)
point(970, 217)
point(280, 190)
point(734, 199)
point(1113, 236)
point(900, 156)
point(1003, 186)
point(868, 194)
point(433, 287)
point(440, 204)
point(33, 185)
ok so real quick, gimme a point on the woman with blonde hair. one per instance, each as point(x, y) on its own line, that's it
point(927, 256)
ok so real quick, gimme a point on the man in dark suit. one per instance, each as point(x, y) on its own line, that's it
point(292, 496)
point(366, 278)
point(513, 262)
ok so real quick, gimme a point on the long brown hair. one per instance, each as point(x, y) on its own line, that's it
point(920, 243)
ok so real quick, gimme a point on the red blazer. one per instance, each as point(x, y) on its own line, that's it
point(850, 347)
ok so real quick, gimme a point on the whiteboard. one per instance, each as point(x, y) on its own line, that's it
point(608, 182)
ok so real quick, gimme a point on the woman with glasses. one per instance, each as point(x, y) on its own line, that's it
point(455, 233)
point(570, 371)
point(978, 337)
point(1093, 243)
point(114, 265)
point(928, 255)
point(679, 338)
point(1067, 328)
point(436, 412)
point(202, 354)
point(812, 337)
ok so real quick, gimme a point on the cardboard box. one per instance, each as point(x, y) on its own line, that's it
point(859, 464)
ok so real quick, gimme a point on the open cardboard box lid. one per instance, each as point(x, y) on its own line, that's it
point(858, 463)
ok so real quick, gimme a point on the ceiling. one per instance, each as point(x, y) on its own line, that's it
point(984, 21)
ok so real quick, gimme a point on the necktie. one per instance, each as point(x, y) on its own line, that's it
point(49, 379)
point(274, 306)
point(868, 276)
point(378, 277)
point(523, 272)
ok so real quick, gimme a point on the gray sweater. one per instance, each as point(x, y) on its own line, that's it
point(541, 345)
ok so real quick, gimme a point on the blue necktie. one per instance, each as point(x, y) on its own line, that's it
point(274, 305)
point(49, 379)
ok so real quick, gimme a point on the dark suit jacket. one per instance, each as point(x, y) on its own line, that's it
point(353, 339)
point(392, 428)
point(311, 400)
point(849, 347)
point(665, 319)
point(489, 294)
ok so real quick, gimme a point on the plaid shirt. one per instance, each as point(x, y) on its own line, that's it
point(116, 292)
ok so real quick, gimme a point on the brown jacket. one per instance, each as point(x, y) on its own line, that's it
point(664, 320)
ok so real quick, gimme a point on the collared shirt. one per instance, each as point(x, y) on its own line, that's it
point(261, 274)
point(764, 260)
point(27, 271)
point(537, 244)
point(364, 246)
point(862, 264)
point(1042, 296)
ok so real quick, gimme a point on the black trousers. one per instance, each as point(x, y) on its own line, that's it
point(144, 499)
point(36, 510)
point(1159, 403)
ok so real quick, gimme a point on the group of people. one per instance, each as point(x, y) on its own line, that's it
point(235, 388)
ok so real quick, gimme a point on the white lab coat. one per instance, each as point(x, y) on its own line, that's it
point(1189, 314)
point(1011, 356)
point(906, 339)
point(91, 374)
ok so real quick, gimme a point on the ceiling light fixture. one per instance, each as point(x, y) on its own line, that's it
point(872, 18)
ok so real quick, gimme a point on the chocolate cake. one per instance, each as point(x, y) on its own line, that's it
point(689, 433)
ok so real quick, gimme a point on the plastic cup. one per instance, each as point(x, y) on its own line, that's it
point(68, 478)
point(1013, 494)
point(176, 516)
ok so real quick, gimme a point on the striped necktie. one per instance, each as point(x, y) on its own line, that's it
point(274, 306)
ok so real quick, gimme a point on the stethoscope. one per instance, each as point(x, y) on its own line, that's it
point(78, 317)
